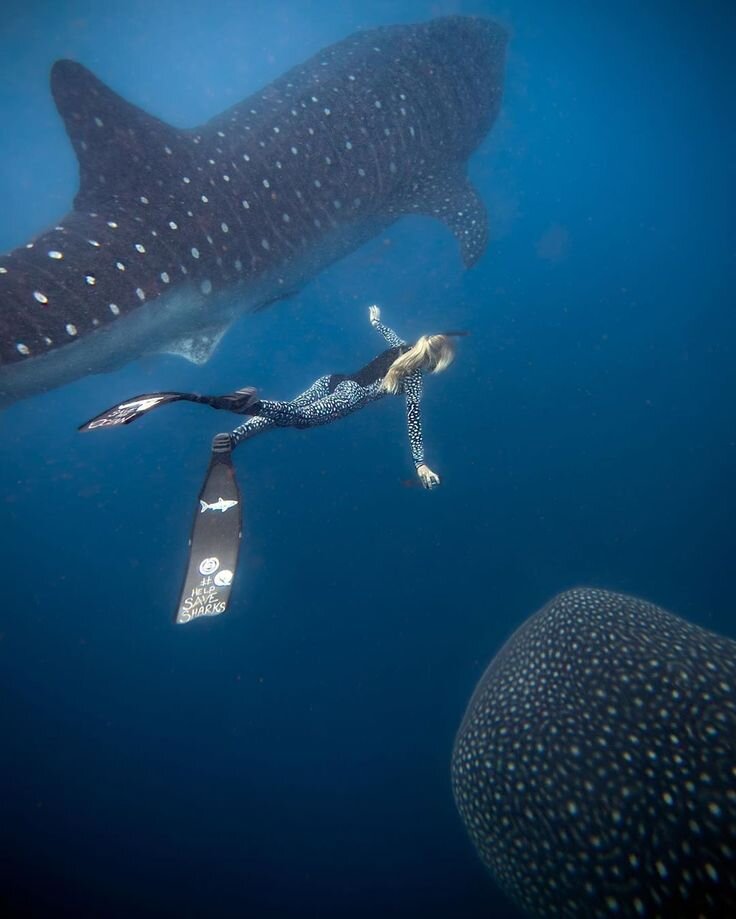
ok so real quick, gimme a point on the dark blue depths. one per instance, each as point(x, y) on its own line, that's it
point(292, 758)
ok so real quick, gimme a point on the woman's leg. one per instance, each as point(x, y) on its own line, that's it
point(317, 390)
point(258, 424)
point(347, 397)
point(249, 429)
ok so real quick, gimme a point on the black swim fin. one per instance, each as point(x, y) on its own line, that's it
point(241, 402)
point(215, 539)
point(128, 411)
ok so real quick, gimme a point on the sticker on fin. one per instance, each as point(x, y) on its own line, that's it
point(215, 539)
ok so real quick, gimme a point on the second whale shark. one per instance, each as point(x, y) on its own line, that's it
point(174, 233)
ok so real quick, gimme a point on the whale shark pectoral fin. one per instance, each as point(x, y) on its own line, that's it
point(112, 138)
point(458, 205)
point(197, 348)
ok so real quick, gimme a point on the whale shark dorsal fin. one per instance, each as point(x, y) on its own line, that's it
point(453, 200)
point(111, 137)
point(197, 349)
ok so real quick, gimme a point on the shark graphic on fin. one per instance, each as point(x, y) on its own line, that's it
point(175, 233)
point(221, 505)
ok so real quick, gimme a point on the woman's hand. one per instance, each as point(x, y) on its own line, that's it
point(428, 478)
point(374, 313)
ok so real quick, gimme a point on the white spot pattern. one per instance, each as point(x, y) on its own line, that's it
point(346, 149)
point(568, 763)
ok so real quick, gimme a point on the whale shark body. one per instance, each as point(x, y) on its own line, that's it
point(175, 233)
point(595, 768)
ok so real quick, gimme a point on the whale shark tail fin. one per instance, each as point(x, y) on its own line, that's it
point(215, 541)
point(114, 140)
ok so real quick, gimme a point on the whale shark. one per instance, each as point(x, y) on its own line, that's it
point(175, 233)
point(595, 767)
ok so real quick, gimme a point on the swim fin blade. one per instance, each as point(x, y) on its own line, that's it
point(125, 412)
point(240, 401)
point(215, 540)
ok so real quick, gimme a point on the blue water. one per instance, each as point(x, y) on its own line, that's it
point(291, 759)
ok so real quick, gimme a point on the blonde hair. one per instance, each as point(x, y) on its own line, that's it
point(431, 352)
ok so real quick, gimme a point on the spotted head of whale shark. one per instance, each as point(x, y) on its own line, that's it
point(595, 768)
point(174, 233)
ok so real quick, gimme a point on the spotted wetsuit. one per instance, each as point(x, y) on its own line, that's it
point(338, 395)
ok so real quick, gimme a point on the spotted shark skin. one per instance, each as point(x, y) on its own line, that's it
point(595, 768)
point(174, 233)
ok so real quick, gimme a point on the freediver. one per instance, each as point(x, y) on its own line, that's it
point(396, 371)
point(217, 528)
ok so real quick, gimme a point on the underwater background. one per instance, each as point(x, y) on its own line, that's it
point(291, 758)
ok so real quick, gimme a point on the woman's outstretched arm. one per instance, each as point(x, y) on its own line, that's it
point(374, 314)
point(413, 390)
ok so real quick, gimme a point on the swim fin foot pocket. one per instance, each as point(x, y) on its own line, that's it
point(222, 443)
point(215, 541)
point(242, 401)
